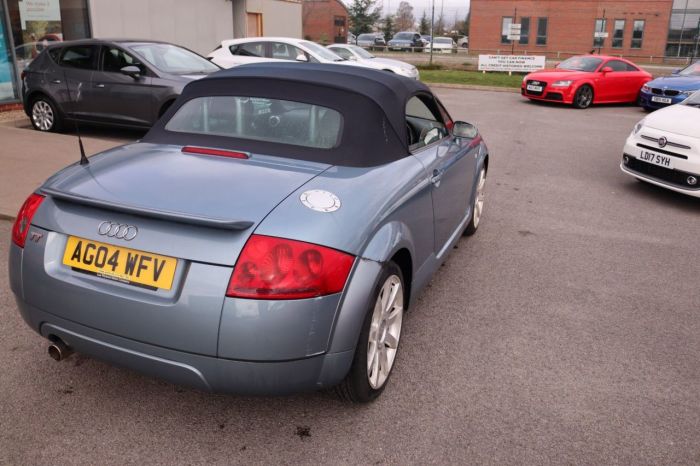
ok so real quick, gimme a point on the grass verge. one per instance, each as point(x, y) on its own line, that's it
point(471, 77)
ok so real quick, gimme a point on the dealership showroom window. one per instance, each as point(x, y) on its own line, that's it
point(27, 26)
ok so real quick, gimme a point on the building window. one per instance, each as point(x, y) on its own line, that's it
point(618, 33)
point(600, 26)
point(637, 34)
point(505, 29)
point(524, 31)
point(541, 31)
point(339, 20)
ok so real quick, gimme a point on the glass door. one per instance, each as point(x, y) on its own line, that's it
point(7, 69)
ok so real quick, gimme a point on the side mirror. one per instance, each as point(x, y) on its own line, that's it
point(606, 69)
point(676, 71)
point(353, 58)
point(462, 129)
point(131, 70)
point(301, 57)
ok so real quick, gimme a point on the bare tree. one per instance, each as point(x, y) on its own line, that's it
point(404, 17)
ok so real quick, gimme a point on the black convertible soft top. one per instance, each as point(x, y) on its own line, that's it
point(372, 103)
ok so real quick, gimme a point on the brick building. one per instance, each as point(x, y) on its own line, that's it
point(635, 27)
point(325, 21)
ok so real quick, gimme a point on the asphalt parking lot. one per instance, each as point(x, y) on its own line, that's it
point(565, 331)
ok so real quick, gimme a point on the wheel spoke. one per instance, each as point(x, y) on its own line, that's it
point(392, 299)
point(375, 366)
point(371, 354)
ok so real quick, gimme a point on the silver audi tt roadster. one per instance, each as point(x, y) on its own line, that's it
point(265, 237)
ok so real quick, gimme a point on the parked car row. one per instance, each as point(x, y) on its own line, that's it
point(663, 148)
point(132, 83)
point(400, 41)
point(591, 79)
point(265, 49)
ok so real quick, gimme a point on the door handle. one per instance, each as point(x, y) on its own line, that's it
point(101, 86)
point(437, 176)
point(55, 81)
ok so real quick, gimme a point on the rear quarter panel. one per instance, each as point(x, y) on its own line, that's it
point(383, 209)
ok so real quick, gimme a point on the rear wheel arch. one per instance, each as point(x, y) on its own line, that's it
point(403, 259)
point(32, 96)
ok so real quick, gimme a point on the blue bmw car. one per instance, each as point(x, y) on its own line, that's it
point(265, 236)
point(669, 90)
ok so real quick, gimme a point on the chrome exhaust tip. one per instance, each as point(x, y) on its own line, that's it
point(59, 350)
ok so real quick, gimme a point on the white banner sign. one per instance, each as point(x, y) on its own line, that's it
point(39, 10)
point(600, 35)
point(525, 63)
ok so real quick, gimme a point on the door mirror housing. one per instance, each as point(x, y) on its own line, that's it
point(131, 70)
point(606, 69)
point(462, 129)
point(302, 58)
point(676, 71)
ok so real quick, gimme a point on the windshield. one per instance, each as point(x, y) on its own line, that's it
point(443, 40)
point(173, 59)
point(320, 51)
point(403, 36)
point(365, 37)
point(588, 64)
point(260, 119)
point(362, 53)
point(692, 70)
point(693, 100)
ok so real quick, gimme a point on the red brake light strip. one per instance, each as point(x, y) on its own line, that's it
point(218, 152)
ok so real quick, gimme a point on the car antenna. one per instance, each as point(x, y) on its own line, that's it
point(83, 158)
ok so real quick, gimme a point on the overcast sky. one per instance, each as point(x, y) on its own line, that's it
point(450, 7)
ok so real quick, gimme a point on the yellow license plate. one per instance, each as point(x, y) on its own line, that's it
point(121, 264)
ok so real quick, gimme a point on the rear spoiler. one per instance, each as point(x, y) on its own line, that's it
point(178, 217)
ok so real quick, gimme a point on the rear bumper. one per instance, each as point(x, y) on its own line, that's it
point(199, 371)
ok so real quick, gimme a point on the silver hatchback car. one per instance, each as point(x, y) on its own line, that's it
point(265, 237)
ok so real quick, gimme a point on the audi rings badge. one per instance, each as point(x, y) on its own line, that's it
point(118, 230)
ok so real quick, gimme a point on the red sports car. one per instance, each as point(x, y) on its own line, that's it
point(586, 80)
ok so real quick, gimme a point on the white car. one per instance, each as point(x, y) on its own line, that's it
point(360, 55)
point(664, 148)
point(236, 52)
point(442, 44)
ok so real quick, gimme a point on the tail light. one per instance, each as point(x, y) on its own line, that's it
point(24, 219)
point(278, 268)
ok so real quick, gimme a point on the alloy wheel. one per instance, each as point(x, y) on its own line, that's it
point(585, 96)
point(42, 115)
point(385, 331)
point(479, 198)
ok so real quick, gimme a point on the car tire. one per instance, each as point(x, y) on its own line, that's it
point(478, 205)
point(583, 97)
point(44, 115)
point(380, 337)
